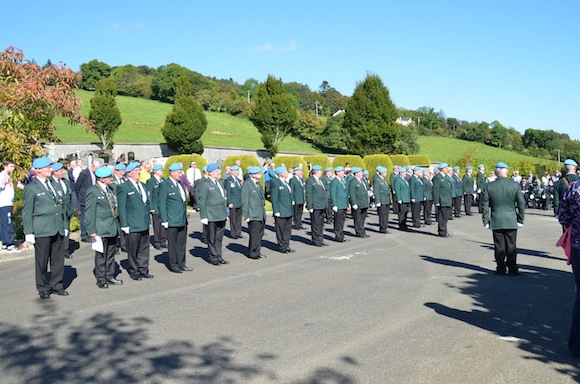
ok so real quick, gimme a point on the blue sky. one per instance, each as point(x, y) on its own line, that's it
point(512, 61)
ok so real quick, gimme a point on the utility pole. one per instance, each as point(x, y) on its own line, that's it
point(316, 109)
point(248, 97)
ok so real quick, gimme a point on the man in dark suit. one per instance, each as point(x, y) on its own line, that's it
point(316, 201)
point(58, 173)
point(134, 218)
point(458, 192)
point(213, 212)
point(428, 193)
point(233, 187)
point(339, 199)
point(282, 207)
point(359, 201)
point(403, 193)
point(253, 207)
point(85, 180)
point(417, 196)
point(326, 180)
point(298, 195)
point(103, 226)
point(468, 189)
point(43, 219)
point(118, 179)
point(507, 205)
point(480, 181)
point(172, 206)
point(443, 187)
point(392, 178)
point(382, 193)
point(153, 185)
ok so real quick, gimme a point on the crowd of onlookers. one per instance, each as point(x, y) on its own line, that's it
point(539, 192)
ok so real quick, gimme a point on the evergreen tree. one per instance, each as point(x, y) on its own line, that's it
point(273, 113)
point(186, 123)
point(104, 113)
point(92, 72)
point(370, 118)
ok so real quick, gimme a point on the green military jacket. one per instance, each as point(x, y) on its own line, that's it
point(326, 181)
point(42, 213)
point(233, 189)
point(298, 193)
point(402, 190)
point(133, 212)
point(443, 187)
point(480, 180)
point(467, 183)
point(507, 204)
point(382, 191)
point(417, 189)
point(153, 186)
point(172, 207)
point(339, 193)
point(212, 203)
point(253, 201)
point(101, 211)
point(427, 188)
point(281, 198)
point(458, 185)
point(560, 186)
point(67, 203)
point(358, 193)
point(316, 193)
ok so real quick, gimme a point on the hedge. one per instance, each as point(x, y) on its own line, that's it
point(246, 161)
point(372, 161)
point(321, 160)
point(420, 160)
point(353, 160)
point(291, 162)
point(185, 160)
point(400, 160)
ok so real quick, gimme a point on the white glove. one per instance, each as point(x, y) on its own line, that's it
point(532, 197)
point(479, 191)
point(277, 214)
point(30, 239)
point(486, 226)
point(520, 225)
point(543, 196)
point(437, 205)
point(247, 220)
point(335, 208)
point(378, 205)
point(165, 225)
point(412, 200)
point(311, 210)
point(400, 201)
point(66, 232)
point(204, 221)
point(355, 207)
point(125, 229)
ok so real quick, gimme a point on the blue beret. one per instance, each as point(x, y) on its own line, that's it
point(443, 165)
point(280, 170)
point(501, 164)
point(176, 167)
point(468, 167)
point(212, 167)
point(41, 162)
point(425, 170)
point(356, 170)
point(456, 168)
point(103, 172)
point(409, 167)
point(297, 169)
point(381, 169)
point(340, 168)
point(395, 167)
point(204, 168)
point(481, 166)
point(254, 169)
point(402, 170)
point(329, 169)
point(57, 166)
point(416, 169)
point(132, 166)
point(234, 168)
point(317, 168)
point(365, 172)
point(120, 167)
point(157, 167)
point(570, 162)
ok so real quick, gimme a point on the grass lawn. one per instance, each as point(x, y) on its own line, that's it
point(143, 119)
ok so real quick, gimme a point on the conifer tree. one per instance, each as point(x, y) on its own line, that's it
point(104, 114)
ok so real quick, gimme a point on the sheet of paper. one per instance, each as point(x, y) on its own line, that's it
point(98, 245)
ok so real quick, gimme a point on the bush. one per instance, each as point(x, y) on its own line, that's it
point(245, 160)
point(420, 160)
point(17, 214)
point(185, 160)
point(75, 222)
point(321, 160)
point(373, 161)
point(291, 162)
point(353, 160)
point(400, 160)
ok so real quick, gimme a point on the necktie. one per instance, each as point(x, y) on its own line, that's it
point(141, 191)
point(63, 185)
point(181, 190)
point(49, 187)
point(220, 188)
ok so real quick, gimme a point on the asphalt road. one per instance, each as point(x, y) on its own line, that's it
point(396, 308)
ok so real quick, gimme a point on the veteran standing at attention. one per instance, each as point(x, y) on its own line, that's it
point(298, 195)
point(173, 214)
point(103, 226)
point(339, 199)
point(382, 198)
point(316, 202)
point(43, 222)
point(282, 207)
point(58, 173)
point(468, 190)
point(443, 189)
point(233, 188)
point(153, 185)
point(359, 201)
point(253, 207)
point(506, 202)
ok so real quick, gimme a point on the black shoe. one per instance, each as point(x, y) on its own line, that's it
point(223, 261)
point(87, 240)
point(338, 240)
point(115, 281)
point(176, 270)
point(317, 245)
point(136, 277)
point(60, 292)
point(215, 262)
point(282, 250)
point(500, 272)
point(158, 247)
point(186, 269)
point(102, 284)
point(254, 257)
point(291, 250)
point(513, 273)
point(147, 275)
point(164, 246)
point(446, 234)
point(262, 256)
point(68, 256)
point(241, 237)
point(44, 294)
point(324, 244)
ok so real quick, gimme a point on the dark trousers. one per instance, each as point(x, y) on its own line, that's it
point(122, 241)
point(283, 231)
point(215, 236)
point(297, 218)
point(49, 250)
point(105, 262)
point(467, 201)
point(395, 204)
point(256, 230)
point(159, 234)
point(359, 216)
point(328, 212)
point(383, 212)
point(402, 215)
point(416, 213)
point(504, 241)
point(192, 199)
point(427, 209)
point(479, 206)
point(138, 252)
point(574, 338)
point(444, 215)
point(339, 219)
point(176, 239)
point(6, 226)
point(204, 233)
point(83, 220)
point(457, 205)
point(317, 225)
point(236, 222)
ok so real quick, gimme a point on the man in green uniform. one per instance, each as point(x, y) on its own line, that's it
point(298, 195)
point(282, 207)
point(443, 187)
point(316, 202)
point(359, 201)
point(382, 198)
point(458, 196)
point(480, 181)
point(392, 178)
point(570, 167)
point(103, 226)
point(403, 194)
point(58, 177)
point(153, 185)
point(428, 193)
point(468, 189)
point(326, 180)
point(253, 208)
point(339, 198)
point(417, 196)
point(506, 202)
point(233, 187)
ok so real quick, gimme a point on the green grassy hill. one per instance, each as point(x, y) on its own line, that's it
point(143, 119)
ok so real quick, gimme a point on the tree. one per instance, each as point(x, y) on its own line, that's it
point(334, 138)
point(92, 72)
point(28, 104)
point(164, 83)
point(370, 118)
point(133, 81)
point(186, 123)
point(273, 112)
point(104, 114)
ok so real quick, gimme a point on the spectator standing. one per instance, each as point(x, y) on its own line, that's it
point(6, 206)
